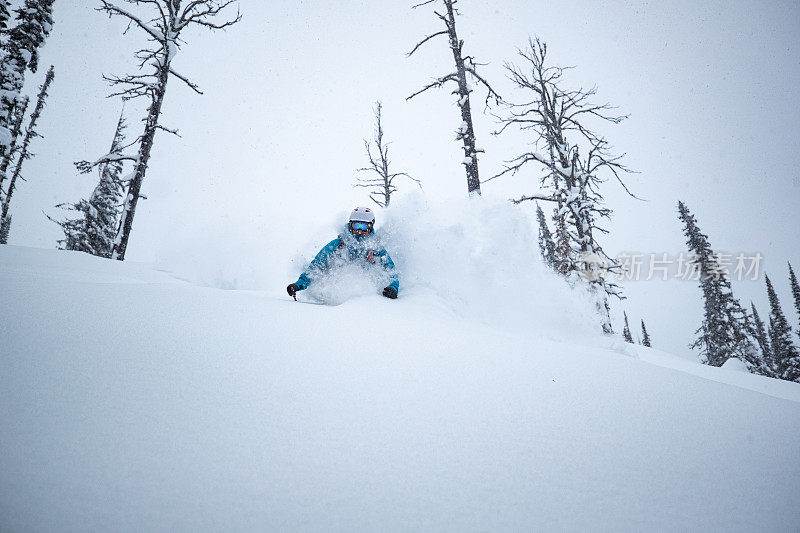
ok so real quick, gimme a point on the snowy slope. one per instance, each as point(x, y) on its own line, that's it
point(133, 401)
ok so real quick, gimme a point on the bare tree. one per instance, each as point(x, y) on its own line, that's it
point(380, 180)
point(24, 155)
point(571, 181)
point(464, 65)
point(163, 26)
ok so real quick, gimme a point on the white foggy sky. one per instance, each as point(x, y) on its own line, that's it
point(271, 147)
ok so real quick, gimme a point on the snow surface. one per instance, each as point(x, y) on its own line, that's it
point(735, 364)
point(131, 400)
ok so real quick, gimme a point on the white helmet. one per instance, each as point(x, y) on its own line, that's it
point(361, 222)
point(362, 214)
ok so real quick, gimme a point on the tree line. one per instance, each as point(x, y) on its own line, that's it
point(728, 329)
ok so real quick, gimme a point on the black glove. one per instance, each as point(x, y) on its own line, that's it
point(292, 289)
point(390, 292)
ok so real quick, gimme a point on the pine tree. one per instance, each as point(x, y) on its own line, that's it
point(546, 244)
point(564, 259)
point(24, 154)
point(795, 295)
point(20, 51)
point(760, 334)
point(5, 227)
point(786, 355)
point(94, 231)
point(4, 14)
point(645, 337)
point(626, 331)
point(13, 148)
point(726, 328)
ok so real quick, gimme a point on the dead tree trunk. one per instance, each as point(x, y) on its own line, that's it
point(142, 158)
point(464, 66)
point(467, 133)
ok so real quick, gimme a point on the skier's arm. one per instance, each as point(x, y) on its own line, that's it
point(388, 265)
point(318, 264)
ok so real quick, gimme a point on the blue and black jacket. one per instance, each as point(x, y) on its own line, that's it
point(351, 248)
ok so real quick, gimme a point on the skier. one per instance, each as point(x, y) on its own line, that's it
point(358, 243)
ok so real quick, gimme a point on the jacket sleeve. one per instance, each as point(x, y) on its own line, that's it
point(388, 265)
point(319, 264)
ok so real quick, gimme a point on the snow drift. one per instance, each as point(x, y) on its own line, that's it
point(477, 258)
point(481, 399)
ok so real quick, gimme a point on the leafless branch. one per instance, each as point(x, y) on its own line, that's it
point(436, 84)
point(201, 16)
point(534, 197)
point(492, 93)
point(425, 40)
point(112, 9)
point(168, 130)
point(84, 167)
point(193, 86)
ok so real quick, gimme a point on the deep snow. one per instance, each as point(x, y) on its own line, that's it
point(132, 400)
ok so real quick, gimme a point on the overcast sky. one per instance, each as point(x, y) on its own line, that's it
point(271, 147)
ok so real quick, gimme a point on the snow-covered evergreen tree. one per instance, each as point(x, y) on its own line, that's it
point(726, 328)
point(465, 68)
point(795, 295)
point(24, 154)
point(760, 333)
point(563, 255)
point(645, 337)
point(787, 357)
point(95, 228)
point(626, 331)
point(13, 150)
point(5, 227)
point(546, 244)
point(163, 23)
point(34, 21)
point(4, 14)
point(381, 179)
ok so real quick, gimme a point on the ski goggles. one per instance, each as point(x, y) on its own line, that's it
point(360, 226)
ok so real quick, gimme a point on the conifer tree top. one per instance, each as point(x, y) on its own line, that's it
point(4, 15)
point(35, 20)
point(795, 290)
